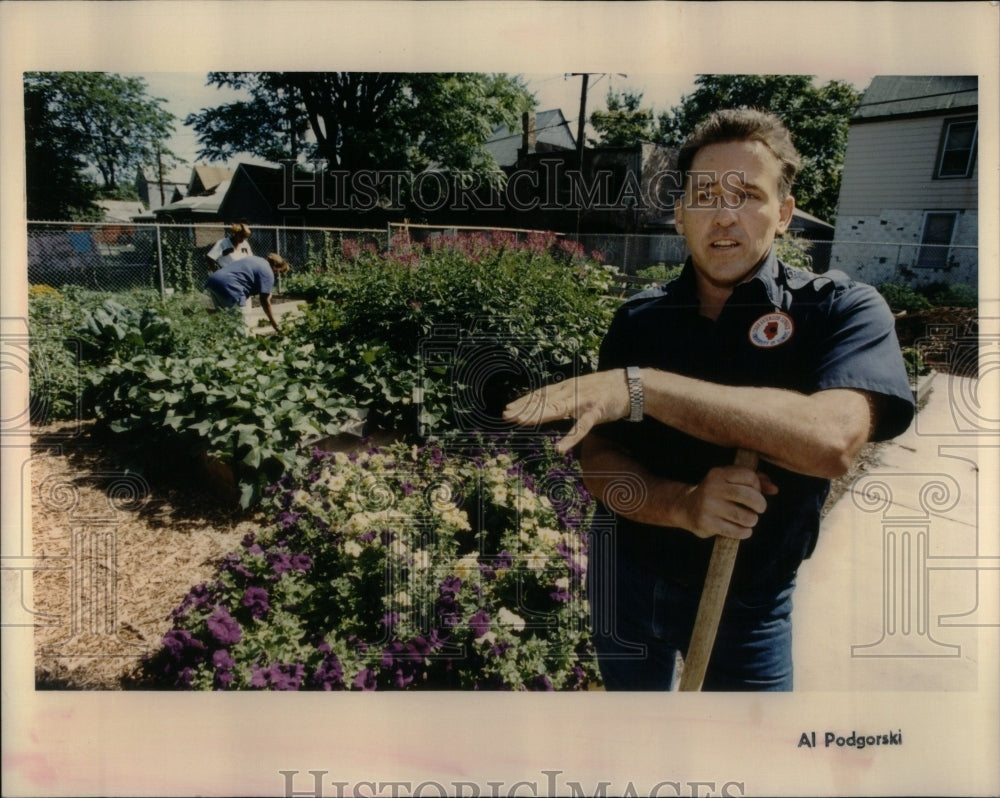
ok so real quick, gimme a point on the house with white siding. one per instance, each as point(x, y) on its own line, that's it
point(908, 209)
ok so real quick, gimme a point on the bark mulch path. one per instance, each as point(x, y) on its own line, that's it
point(131, 550)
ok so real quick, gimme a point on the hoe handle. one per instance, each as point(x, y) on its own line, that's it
point(713, 596)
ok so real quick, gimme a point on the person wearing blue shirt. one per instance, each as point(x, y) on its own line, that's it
point(741, 351)
point(236, 282)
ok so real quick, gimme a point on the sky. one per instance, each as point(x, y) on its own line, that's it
point(187, 92)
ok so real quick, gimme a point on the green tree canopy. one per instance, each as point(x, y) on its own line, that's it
point(623, 123)
point(56, 188)
point(817, 117)
point(103, 120)
point(362, 120)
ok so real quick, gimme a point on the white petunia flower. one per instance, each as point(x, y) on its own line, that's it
point(352, 548)
point(507, 618)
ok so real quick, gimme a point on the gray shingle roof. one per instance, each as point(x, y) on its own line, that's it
point(551, 129)
point(906, 95)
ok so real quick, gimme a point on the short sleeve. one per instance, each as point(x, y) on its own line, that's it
point(859, 349)
point(265, 279)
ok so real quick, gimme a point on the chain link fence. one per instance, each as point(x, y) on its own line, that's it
point(171, 257)
point(168, 257)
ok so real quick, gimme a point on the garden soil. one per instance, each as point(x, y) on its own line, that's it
point(170, 537)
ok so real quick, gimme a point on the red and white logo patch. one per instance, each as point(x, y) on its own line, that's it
point(771, 329)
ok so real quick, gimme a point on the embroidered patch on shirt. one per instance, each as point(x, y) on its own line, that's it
point(771, 329)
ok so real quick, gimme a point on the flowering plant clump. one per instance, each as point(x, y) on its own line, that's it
point(407, 567)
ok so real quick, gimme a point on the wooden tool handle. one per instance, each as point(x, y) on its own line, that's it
point(713, 596)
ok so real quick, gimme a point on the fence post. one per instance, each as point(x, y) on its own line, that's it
point(159, 264)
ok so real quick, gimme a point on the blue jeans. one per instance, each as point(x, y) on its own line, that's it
point(642, 622)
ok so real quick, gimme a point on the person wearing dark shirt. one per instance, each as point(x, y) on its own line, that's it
point(741, 351)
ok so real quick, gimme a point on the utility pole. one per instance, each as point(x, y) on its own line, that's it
point(159, 175)
point(580, 129)
point(582, 120)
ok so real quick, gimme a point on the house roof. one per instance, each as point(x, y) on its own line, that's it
point(121, 210)
point(178, 176)
point(206, 203)
point(916, 95)
point(209, 176)
point(551, 130)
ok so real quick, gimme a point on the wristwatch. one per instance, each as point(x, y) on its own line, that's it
point(634, 392)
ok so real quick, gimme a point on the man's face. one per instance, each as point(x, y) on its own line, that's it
point(730, 213)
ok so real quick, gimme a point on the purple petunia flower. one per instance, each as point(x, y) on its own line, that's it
point(222, 679)
point(390, 619)
point(280, 562)
point(329, 675)
point(197, 597)
point(479, 623)
point(223, 627)
point(222, 659)
point(541, 682)
point(301, 562)
point(258, 678)
point(184, 646)
point(286, 676)
point(185, 677)
point(255, 599)
point(287, 519)
point(561, 594)
point(366, 680)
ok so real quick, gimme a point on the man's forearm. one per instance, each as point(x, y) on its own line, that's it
point(727, 501)
point(265, 303)
point(626, 488)
point(817, 434)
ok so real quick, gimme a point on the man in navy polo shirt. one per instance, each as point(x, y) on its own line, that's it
point(740, 351)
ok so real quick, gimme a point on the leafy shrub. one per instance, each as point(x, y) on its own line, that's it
point(249, 402)
point(916, 366)
point(958, 295)
point(113, 330)
point(660, 272)
point(54, 363)
point(794, 251)
point(903, 298)
point(518, 313)
point(401, 568)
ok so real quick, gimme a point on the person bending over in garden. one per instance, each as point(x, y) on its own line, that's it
point(740, 351)
point(232, 285)
point(234, 246)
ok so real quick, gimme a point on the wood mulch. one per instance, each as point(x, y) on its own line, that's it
point(132, 549)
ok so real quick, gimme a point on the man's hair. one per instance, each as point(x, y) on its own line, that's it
point(744, 124)
point(237, 229)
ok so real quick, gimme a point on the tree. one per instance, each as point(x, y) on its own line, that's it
point(623, 123)
point(104, 120)
point(362, 120)
point(817, 117)
point(56, 188)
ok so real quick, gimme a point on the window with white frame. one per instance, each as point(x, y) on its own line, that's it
point(957, 152)
point(936, 238)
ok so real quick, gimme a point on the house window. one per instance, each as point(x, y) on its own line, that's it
point(957, 153)
point(935, 241)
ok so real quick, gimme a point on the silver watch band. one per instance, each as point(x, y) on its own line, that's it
point(632, 376)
